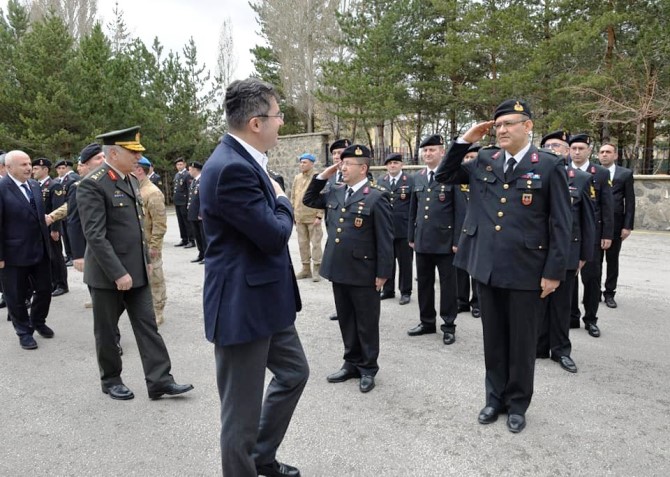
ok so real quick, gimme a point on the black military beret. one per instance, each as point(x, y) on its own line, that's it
point(127, 138)
point(42, 161)
point(474, 147)
point(356, 150)
point(64, 162)
point(394, 156)
point(196, 164)
point(340, 144)
point(560, 135)
point(434, 140)
point(89, 151)
point(580, 138)
point(513, 106)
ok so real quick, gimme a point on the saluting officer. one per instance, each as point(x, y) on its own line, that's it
point(515, 243)
point(399, 185)
point(193, 210)
point(432, 235)
point(465, 283)
point(554, 335)
point(358, 259)
point(116, 267)
point(601, 194)
point(181, 185)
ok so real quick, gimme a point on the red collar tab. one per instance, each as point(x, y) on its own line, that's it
point(571, 173)
point(366, 190)
point(534, 158)
point(496, 155)
point(112, 175)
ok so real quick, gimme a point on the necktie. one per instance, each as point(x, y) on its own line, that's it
point(339, 177)
point(431, 175)
point(31, 197)
point(350, 192)
point(509, 168)
point(393, 183)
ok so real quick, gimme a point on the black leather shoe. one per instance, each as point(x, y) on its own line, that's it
point(421, 329)
point(609, 301)
point(386, 295)
point(44, 331)
point(27, 342)
point(189, 245)
point(59, 291)
point(277, 469)
point(332, 316)
point(342, 375)
point(404, 299)
point(593, 329)
point(198, 259)
point(118, 391)
point(488, 415)
point(476, 312)
point(367, 383)
point(180, 244)
point(171, 389)
point(516, 423)
point(566, 363)
point(449, 338)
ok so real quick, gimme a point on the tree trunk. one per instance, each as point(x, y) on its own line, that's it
point(648, 158)
point(419, 127)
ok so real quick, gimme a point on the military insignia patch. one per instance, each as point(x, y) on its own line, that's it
point(489, 168)
point(358, 222)
point(442, 197)
point(465, 188)
point(518, 107)
point(593, 192)
point(527, 199)
point(534, 158)
point(571, 173)
point(358, 151)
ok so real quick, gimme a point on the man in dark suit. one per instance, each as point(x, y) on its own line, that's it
point(591, 272)
point(180, 187)
point(66, 177)
point(554, 333)
point(24, 250)
point(193, 209)
point(358, 259)
point(115, 267)
point(431, 235)
point(515, 243)
point(251, 295)
point(399, 186)
point(464, 282)
point(53, 197)
point(623, 193)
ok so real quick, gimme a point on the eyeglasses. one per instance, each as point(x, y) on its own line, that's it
point(279, 115)
point(349, 164)
point(554, 145)
point(507, 124)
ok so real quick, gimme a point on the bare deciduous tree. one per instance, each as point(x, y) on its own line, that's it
point(226, 61)
point(78, 15)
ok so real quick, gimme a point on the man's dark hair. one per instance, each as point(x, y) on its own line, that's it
point(607, 143)
point(247, 98)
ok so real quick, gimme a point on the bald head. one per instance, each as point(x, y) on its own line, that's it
point(18, 165)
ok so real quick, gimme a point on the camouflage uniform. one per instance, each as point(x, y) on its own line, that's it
point(309, 232)
point(155, 226)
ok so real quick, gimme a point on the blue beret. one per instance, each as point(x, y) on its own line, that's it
point(144, 162)
point(308, 156)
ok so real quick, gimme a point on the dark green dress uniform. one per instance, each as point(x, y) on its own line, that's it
point(400, 191)
point(359, 249)
point(53, 196)
point(601, 194)
point(181, 185)
point(554, 336)
point(432, 229)
point(110, 209)
point(517, 231)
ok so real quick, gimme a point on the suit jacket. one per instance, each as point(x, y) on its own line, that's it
point(515, 232)
point(432, 216)
point(193, 205)
point(360, 233)
point(583, 218)
point(400, 197)
point(181, 185)
point(250, 290)
point(110, 210)
point(24, 237)
point(623, 193)
point(601, 194)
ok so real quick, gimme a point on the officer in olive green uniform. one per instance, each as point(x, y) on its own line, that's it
point(358, 259)
point(115, 267)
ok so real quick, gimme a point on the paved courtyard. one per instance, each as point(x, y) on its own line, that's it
point(611, 418)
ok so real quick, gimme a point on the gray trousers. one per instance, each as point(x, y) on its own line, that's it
point(252, 428)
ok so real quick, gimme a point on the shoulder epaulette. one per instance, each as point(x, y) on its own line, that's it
point(377, 186)
point(99, 174)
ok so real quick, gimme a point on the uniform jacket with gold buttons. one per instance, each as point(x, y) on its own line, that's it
point(518, 231)
point(432, 216)
point(360, 233)
point(583, 218)
point(400, 196)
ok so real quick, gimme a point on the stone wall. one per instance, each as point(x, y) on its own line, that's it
point(283, 159)
point(652, 202)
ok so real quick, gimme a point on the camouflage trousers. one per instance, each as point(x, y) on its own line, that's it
point(309, 242)
point(158, 291)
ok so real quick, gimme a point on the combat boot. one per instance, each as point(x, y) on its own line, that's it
point(305, 273)
point(316, 277)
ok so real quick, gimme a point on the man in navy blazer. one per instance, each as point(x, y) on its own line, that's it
point(24, 250)
point(250, 293)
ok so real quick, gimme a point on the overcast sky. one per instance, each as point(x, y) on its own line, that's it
point(175, 21)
